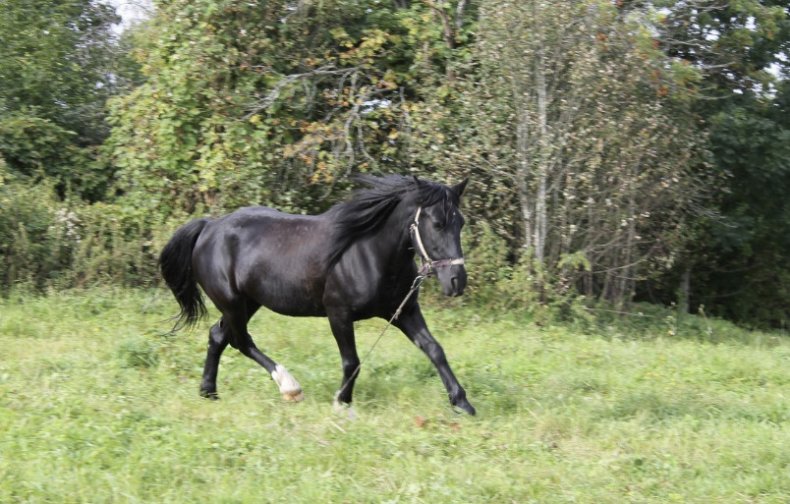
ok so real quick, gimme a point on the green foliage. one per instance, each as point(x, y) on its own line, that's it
point(283, 103)
point(55, 58)
point(486, 264)
point(116, 245)
point(735, 251)
point(183, 134)
point(746, 269)
point(48, 243)
point(58, 65)
point(4, 175)
point(582, 150)
point(28, 248)
point(38, 150)
point(733, 43)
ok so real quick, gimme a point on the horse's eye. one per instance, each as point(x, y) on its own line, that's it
point(439, 223)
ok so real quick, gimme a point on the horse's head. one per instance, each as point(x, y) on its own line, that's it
point(436, 236)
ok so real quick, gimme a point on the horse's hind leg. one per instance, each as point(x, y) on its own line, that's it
point(217, 342)
point(241, 339)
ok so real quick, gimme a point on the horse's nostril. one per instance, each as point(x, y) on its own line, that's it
point(454, 281)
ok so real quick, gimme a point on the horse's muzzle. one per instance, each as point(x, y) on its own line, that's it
point(452, 280)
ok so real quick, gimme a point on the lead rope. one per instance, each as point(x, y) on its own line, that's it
point(418, 280)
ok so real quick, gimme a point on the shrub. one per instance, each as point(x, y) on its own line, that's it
point(46, 242)
point(36, 149)
point(28, 252)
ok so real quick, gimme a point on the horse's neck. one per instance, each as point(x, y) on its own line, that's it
point(392, 241)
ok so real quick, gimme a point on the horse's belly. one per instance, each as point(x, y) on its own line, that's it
point(289, 296)
point(296, 306)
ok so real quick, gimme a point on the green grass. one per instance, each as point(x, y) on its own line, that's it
point(99, 404)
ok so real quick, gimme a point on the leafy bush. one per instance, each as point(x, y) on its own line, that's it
point(46, 242)
point(28, 252)
point(35, 149)
point(115, 246)
point(486, 264)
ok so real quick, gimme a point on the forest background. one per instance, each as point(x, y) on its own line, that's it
point(618, 151)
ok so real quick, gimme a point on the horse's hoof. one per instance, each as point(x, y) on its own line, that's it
point(464, 406)
point(289, 387)
point(344, 409)
point(294, 396)
point(210, 395)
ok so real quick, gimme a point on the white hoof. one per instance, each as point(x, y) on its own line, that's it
point(289, 387)
point(344, 409)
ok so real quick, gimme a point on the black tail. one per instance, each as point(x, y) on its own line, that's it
point(175, 262)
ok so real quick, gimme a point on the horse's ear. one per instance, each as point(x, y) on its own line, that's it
point(459, 188)
point(416, 180)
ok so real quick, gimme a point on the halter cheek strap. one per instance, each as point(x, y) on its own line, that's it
point(428, 265)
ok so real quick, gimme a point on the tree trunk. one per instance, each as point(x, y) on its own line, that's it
point(627, 275)
point(522, 150)
point(684, 291)
point(541, 216)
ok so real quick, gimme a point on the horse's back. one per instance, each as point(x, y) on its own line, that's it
point(274, 258)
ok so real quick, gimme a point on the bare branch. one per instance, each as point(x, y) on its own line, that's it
point(447, 26)
point(274, 94)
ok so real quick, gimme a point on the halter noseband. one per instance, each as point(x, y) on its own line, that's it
point(428, 265)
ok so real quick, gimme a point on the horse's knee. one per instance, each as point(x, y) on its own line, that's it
point(217, 335)
point(434, 351)
point(351, 367)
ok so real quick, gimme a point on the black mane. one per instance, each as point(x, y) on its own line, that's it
point(369, 208)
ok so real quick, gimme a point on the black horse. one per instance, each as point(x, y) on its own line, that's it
point(353, 262)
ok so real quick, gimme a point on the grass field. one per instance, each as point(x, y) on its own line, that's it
point(99, 404)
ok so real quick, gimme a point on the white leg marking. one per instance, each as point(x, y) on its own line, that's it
point(343, 409)
point(289, 387)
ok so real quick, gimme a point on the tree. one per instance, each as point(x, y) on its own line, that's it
point(586, 120)
point(735, 266)
point(583, 124)
point(276, 103)
point(56, 60)
point(742, 270)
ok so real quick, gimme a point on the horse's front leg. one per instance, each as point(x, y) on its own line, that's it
point(343, 329)
point(412, 323)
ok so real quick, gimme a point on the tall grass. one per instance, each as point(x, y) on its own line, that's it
point(99, 403)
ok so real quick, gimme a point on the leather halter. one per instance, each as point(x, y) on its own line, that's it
point(428, 265)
